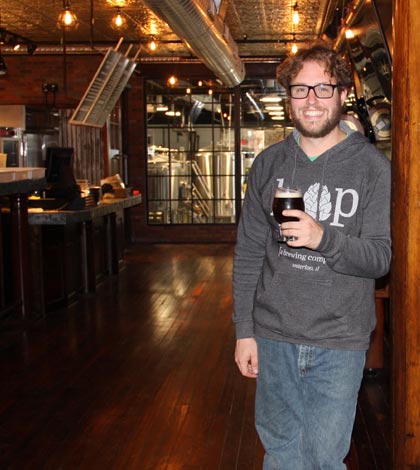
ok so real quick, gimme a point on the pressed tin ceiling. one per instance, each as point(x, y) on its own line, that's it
point(261, 28)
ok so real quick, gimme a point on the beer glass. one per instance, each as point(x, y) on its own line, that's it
point(287, 198)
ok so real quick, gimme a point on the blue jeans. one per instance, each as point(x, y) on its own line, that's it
point(305, 404)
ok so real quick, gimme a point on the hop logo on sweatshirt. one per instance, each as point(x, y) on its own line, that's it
point(311, 202)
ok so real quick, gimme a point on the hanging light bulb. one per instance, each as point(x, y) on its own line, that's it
point(152, 45)
point(118, 20)
point(67, 20)
point(349, 34)
point(294, 48)
point(172, 80)
point(295, 14)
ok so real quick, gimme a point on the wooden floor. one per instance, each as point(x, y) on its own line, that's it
point(141, 376)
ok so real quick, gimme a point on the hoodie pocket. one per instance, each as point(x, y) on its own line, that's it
point(295, 306)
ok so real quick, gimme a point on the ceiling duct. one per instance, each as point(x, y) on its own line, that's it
point(205, 34)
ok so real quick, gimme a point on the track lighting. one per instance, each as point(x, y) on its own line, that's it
point(16, 42)
point(31, 47)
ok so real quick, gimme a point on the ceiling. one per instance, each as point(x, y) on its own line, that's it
point(258, 31)
point(261, 28)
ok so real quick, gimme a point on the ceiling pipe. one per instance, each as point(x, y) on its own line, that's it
point(205, 34)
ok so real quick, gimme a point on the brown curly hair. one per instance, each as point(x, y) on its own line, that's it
point(322, 53)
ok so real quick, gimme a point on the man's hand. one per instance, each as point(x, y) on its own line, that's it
point(246, 357)
point(307, 231)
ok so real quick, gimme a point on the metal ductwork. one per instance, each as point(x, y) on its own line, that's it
point(205, 34)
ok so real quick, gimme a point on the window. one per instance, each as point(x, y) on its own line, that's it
point(191, 160)
point(192, 173)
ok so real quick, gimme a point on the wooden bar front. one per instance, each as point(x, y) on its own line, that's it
point(15, 272)
point(73, 251)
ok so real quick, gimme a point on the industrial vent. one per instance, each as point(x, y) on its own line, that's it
point(105, 88)
point(197, 23)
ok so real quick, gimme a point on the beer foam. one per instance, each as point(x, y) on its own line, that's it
point(286, 192)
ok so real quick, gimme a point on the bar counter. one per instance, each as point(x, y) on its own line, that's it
point(104, 208)
point(74, 251)
point(15, 272)
point(21, 179)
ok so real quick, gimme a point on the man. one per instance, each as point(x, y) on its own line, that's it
point(304, 309)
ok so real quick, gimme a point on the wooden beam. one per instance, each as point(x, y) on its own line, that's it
point(405, 276)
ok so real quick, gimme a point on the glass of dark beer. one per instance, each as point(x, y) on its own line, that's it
point(287, 198)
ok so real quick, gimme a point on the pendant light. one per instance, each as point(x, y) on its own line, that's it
point(295, 14)
point(294, 48)
point(67, 20)
point(118, 20)
point(152, 45)
point(173, 80)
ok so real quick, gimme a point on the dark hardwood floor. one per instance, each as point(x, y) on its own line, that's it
point(141, 376)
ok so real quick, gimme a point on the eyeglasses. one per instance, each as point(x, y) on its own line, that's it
point(323, 90)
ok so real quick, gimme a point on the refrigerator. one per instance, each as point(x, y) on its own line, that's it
point(34, 148)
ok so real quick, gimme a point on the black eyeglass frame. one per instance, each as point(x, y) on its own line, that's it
point(314, 87)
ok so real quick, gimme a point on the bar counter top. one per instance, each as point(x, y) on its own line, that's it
point(62, 217)
point(21, 180)
point(71, 251)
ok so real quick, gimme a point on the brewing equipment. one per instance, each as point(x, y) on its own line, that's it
point(218, 170)
point(197, 189)
point(166, 176)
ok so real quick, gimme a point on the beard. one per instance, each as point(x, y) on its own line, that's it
point(308, 131)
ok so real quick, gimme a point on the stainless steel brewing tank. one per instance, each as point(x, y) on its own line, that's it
point(163, 186)
point(218, 171)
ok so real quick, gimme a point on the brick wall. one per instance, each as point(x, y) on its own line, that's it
point(26, 74)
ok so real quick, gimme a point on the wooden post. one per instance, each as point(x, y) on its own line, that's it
point(21, 271)
point(405, 274)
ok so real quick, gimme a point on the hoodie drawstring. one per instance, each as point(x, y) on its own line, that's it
point(295, 166)
point(321, 186)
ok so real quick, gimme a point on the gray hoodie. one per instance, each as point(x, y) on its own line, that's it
point(325, 297)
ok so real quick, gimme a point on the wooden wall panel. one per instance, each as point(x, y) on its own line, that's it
point(88, 148)
point(405, 273)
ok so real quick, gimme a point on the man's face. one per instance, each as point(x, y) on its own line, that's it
point(316, 117)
